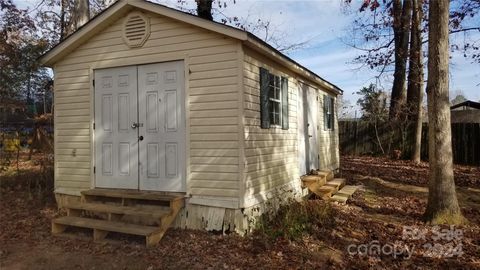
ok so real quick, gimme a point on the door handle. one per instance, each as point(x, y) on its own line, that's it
point(140, 138)
point(136, 125)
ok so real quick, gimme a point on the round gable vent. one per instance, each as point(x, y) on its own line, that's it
point(136, 29)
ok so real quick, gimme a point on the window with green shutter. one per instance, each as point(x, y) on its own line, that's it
point(273, 100)
point(328, 109)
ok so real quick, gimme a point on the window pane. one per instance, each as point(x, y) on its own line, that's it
point(277, 87)
point(271, 91)
point(277, 113)
point(274, 108)
point(271, 108)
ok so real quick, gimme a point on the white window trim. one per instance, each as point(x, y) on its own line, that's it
point(279, 101)
point(329, 113)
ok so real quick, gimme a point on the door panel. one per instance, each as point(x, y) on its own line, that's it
point(312, 127)
point(161, 109)
point(308, 130)
point(116, 142)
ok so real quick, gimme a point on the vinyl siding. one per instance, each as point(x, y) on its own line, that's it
point(271, 155)
point(328, 141)
point(212, 113)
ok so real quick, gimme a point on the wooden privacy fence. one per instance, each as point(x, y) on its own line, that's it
point(359, 138)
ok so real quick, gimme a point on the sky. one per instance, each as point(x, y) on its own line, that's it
point(325, 24)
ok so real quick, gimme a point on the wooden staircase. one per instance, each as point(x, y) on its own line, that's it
point(144, 213)
point(324, 185)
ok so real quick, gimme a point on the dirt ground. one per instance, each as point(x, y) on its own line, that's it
point(385, 212)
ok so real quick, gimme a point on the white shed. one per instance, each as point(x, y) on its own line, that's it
point(153, 103)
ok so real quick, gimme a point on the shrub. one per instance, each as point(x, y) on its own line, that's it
point(294, 219)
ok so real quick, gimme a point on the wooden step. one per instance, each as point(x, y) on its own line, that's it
point(324, 192)
point(337, 183)
point(308, 180)
point(121, 210)
point(101, 228)
point(348, 190)
point(105, 225)
point(164, 215)
point(328, 175)
point(341, 198)
point(320, 177)
point(132, 194)
point(344, 194)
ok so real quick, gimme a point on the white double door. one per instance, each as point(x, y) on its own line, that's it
point(140, 127)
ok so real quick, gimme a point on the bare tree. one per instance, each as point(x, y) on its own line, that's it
point(402, 14)
point(204, 9)
point(415, 83)
point(81, 13)
point(442, 206)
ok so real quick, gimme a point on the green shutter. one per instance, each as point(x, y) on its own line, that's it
point(284, 87)
point(332, 103)
point(264, 113)
point(325, 109)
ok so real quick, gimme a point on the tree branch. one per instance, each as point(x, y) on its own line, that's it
point(464, 30)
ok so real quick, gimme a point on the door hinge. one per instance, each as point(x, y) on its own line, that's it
point(93, 82)
point(94, 169)
point(94, 125)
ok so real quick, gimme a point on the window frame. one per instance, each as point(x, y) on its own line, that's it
point(329, 112)
point(271, 100)
point(273, 94)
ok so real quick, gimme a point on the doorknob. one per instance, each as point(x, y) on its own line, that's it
point(136, 125)
point(140, 138)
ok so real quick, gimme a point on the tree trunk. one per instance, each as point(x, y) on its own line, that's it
point(402, 16)
point(81, 13)
point(204, 9)
point(415, 83)
point(63, 24)
point(442, 206)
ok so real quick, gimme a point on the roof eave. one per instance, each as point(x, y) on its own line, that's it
point(86, 31)
point(267, 50)
point(116, 11)
point(189, 19)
